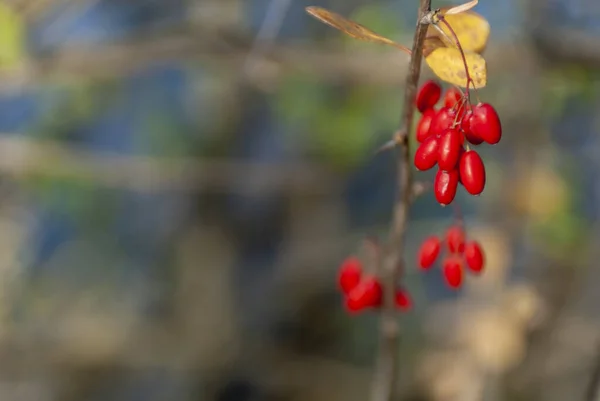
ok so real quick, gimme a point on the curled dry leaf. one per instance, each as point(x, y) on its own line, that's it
point(447, 64)
point(351, 28)
point(471, 29)
point(462, 8)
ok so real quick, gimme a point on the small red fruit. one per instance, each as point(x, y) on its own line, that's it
point(444, 186)
point(452, 96)
point(368, 294)
point(449, 149)
point(455, 239)
point(474, 256)
point(429, 94)
point(465, 125)
point(403, 301)
point(472, 172)
point(426, 155)
point(485, 123)
point(441, 121)
point(424, 124)
point(428, 252)
point(453, 271)
point(350, 274)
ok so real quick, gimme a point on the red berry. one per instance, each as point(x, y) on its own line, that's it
point(452, 96)
point(424, 124)
point(455, 239)
point(485, 123)
point(428, 95)
point(403, 301)
point(453, 271)
point(426, 155)
point(350, 274)
point(441, 121)
point(472, 172)
point(444, 186)
point(368, 294)
point(449, 149)
point(474, 256)
point(428, 252)
point(465, 125)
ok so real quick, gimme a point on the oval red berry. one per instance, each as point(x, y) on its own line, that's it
point(428, 252)
point(402, 300)
point(452, 96)
point(484, 123)
point(350, 274)
point(465, 126)
point(455, 239)
point(453, 273)
point(472, 172)
point(474, 256)
point(444, 186)
point(368, 294)
point(441, 121)
point(429, 94)
point(426, 155)
point(424, 124)
point(449, 149)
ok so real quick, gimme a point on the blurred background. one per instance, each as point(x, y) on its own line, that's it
point(180, 179)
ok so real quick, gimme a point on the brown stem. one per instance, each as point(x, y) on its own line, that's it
point(593, 387)
point(386, 370)
point(462, 53)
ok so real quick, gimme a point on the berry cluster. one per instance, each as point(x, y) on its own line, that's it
point(364, 291)
point(459, 252)
point(445, 136)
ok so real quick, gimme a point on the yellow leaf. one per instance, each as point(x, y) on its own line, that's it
point(351, 28)
point(471, 29)
point(12, 37)
point(447, 64)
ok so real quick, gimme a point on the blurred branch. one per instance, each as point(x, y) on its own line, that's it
point(559, 43)
point(591, 393)
point(226, 53)
point(386, 374)
point(24, 158)
point(267, 33)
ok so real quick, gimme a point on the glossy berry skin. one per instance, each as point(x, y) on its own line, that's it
point(453, 273)
point(455, 239)
point(472, 172)
point(443, 119)
point(368, 294)
point(424, 124)
point(428, 252)
point(465, 125)
point(452, 96)
point(484, 123)
point(428, 95)
point(350, 274)
point(444, 186)
point(426, 155)
point(402, 300)
point(449, 149)
point(474, 256)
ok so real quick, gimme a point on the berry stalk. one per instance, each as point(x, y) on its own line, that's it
point(462, 54)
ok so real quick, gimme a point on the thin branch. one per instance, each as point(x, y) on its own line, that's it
point(386, 374)
point(591, 393)
point(22, 158)
point(267, 33)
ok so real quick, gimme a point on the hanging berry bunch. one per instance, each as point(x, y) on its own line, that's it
point(445, 137)
point(458, 254)
point(363, 291)
point(449, 126)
